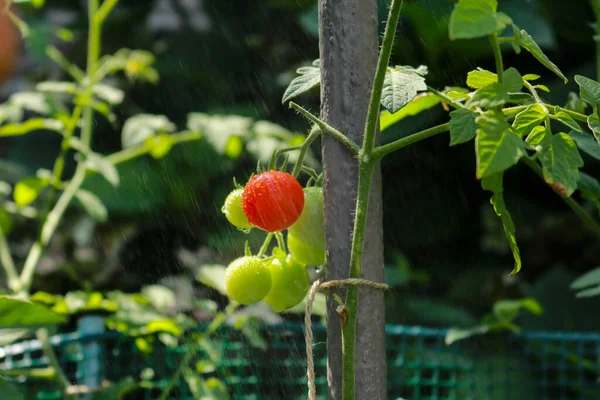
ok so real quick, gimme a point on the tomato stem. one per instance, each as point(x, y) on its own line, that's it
point(497, 56)
point(382, 65)
point(381, 151)
point(265, 245)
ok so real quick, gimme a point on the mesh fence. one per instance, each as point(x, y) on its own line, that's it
point(545, 366)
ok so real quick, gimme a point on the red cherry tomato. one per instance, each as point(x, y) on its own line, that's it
point(273, 200)
point(10, 45)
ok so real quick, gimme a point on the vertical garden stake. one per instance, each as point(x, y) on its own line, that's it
point(348, 37)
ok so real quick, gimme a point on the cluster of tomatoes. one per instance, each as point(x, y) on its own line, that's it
point(275, 201)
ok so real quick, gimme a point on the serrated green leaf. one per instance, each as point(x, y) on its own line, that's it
point(15, 313)
point(566, 120)
point(462, 126)
point(497, 201)
point(159, 146)
point(309, 78)
point(527, 42)
point(561, 161)
point(528, 119)
point(497, 147)
point(400, 87)
point(589, 90)
point(100, 164)
point(531, 77)
point(481, 78)
point(490, 96)
point(476, 18)
point(28, 189)
point(513, 82)
point(587, 144)
point(142, 126)
point(594, 125)
point(33, 124)
point(536, 136)
point(92, 204)
point(419, 104)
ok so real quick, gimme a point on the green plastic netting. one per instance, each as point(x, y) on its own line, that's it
point(545, 366)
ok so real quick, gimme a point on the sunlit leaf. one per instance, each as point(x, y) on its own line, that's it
point(528, 119)
point(537, 135)
point(497, 147)
point(566, 119)
point(28, 189)
point(561, 161)
point(213, 276)
point(400, 86)
point(92, 204)
point(476, 18)
point(217, 129)
point(462, 126)
point(309, 78)
point(527, 42)
point(419, 104)
point(497, 201)
point(481, 78)
point(490, 96)
point(455, 334)
point(16, 313)
point(159, 146)
point(57, 87)
point(594, 125)
point(100, 164)
point(33, 124)
point(110, 94)
point(142, 126)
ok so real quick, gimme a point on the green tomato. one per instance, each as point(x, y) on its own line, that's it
point(290, 284)
point(306, 254)
point(233, 210)
point(310, 227)
point(247, 280)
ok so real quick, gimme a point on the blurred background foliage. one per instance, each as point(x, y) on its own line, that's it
point(446, 254)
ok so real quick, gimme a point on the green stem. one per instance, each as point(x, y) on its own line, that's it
point(497, 56)
point(382, 151)
point(9, 265)
point(265, 245)
point(72, 69)
point(329, 130)
point(358, 240)
point(280, 241)
point(534, 93)
point(382, 65)
point(303, 149)
point(576, 207)
point(44, 338)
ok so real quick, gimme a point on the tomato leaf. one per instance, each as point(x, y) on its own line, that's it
point(566, 120)
point(481, 78)
point(490, 96)
point(8, 390)
point(28, 189)
point(419, 104)
point(309, 78)
point(526, 41)
point(400, 86)
point(100, 164)
point(15, 313)
point(92, 204)
point(462, 126)
point(587, 144)
point(589, 90)
point(528, 119)
point(34, 124)
point(513, 82)
point(594, 125)
point(142, 126)
point(589, 188)
point(159, 146)
point(476, 18)
point(497, 146)
point(561, 161)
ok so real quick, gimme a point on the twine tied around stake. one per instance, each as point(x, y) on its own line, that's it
point(308, 334)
